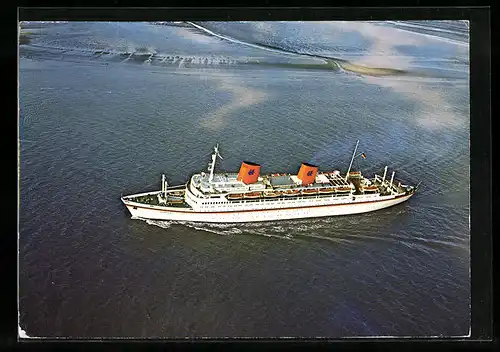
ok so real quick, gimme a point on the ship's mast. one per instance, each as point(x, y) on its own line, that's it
point(211, 165)
point(352, 159)
point(385, 173)
point(164, 185)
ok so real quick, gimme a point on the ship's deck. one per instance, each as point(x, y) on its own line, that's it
point(395, 187)
point(227, 182)
point(225, 177)
point(281, 181)
point(152, 199)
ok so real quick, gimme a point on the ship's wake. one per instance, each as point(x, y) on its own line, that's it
point(333, 229)
point(298, 230)
point(339, 230)
point(226, 229)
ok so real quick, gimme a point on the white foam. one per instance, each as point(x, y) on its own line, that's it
point(227, 229)
point(233, 231)
point(162, 224)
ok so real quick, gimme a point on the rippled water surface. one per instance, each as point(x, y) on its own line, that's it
point(105, 108)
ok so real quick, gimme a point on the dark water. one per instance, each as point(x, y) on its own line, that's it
point(105, 108)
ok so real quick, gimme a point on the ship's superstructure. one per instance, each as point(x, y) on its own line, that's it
point(248, 196)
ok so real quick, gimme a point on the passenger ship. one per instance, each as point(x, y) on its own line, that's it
point(248, 196)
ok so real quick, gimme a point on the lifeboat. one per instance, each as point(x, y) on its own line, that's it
point(309, 191)
point(326, 190)
point(252, 195)
point(272, 194)
point(235, 196)
point(175, 201)
point(370, 188)
point(342, 189)
point(291, 192)
point(177, 193)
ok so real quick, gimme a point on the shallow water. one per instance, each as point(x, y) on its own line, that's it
point(105, 108)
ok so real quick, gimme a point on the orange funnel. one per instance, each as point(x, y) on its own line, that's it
point(249, 172)
point(307, 173)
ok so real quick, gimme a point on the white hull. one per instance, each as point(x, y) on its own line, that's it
point(187, 214)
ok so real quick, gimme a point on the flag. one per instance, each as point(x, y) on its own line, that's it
point(363, 155)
